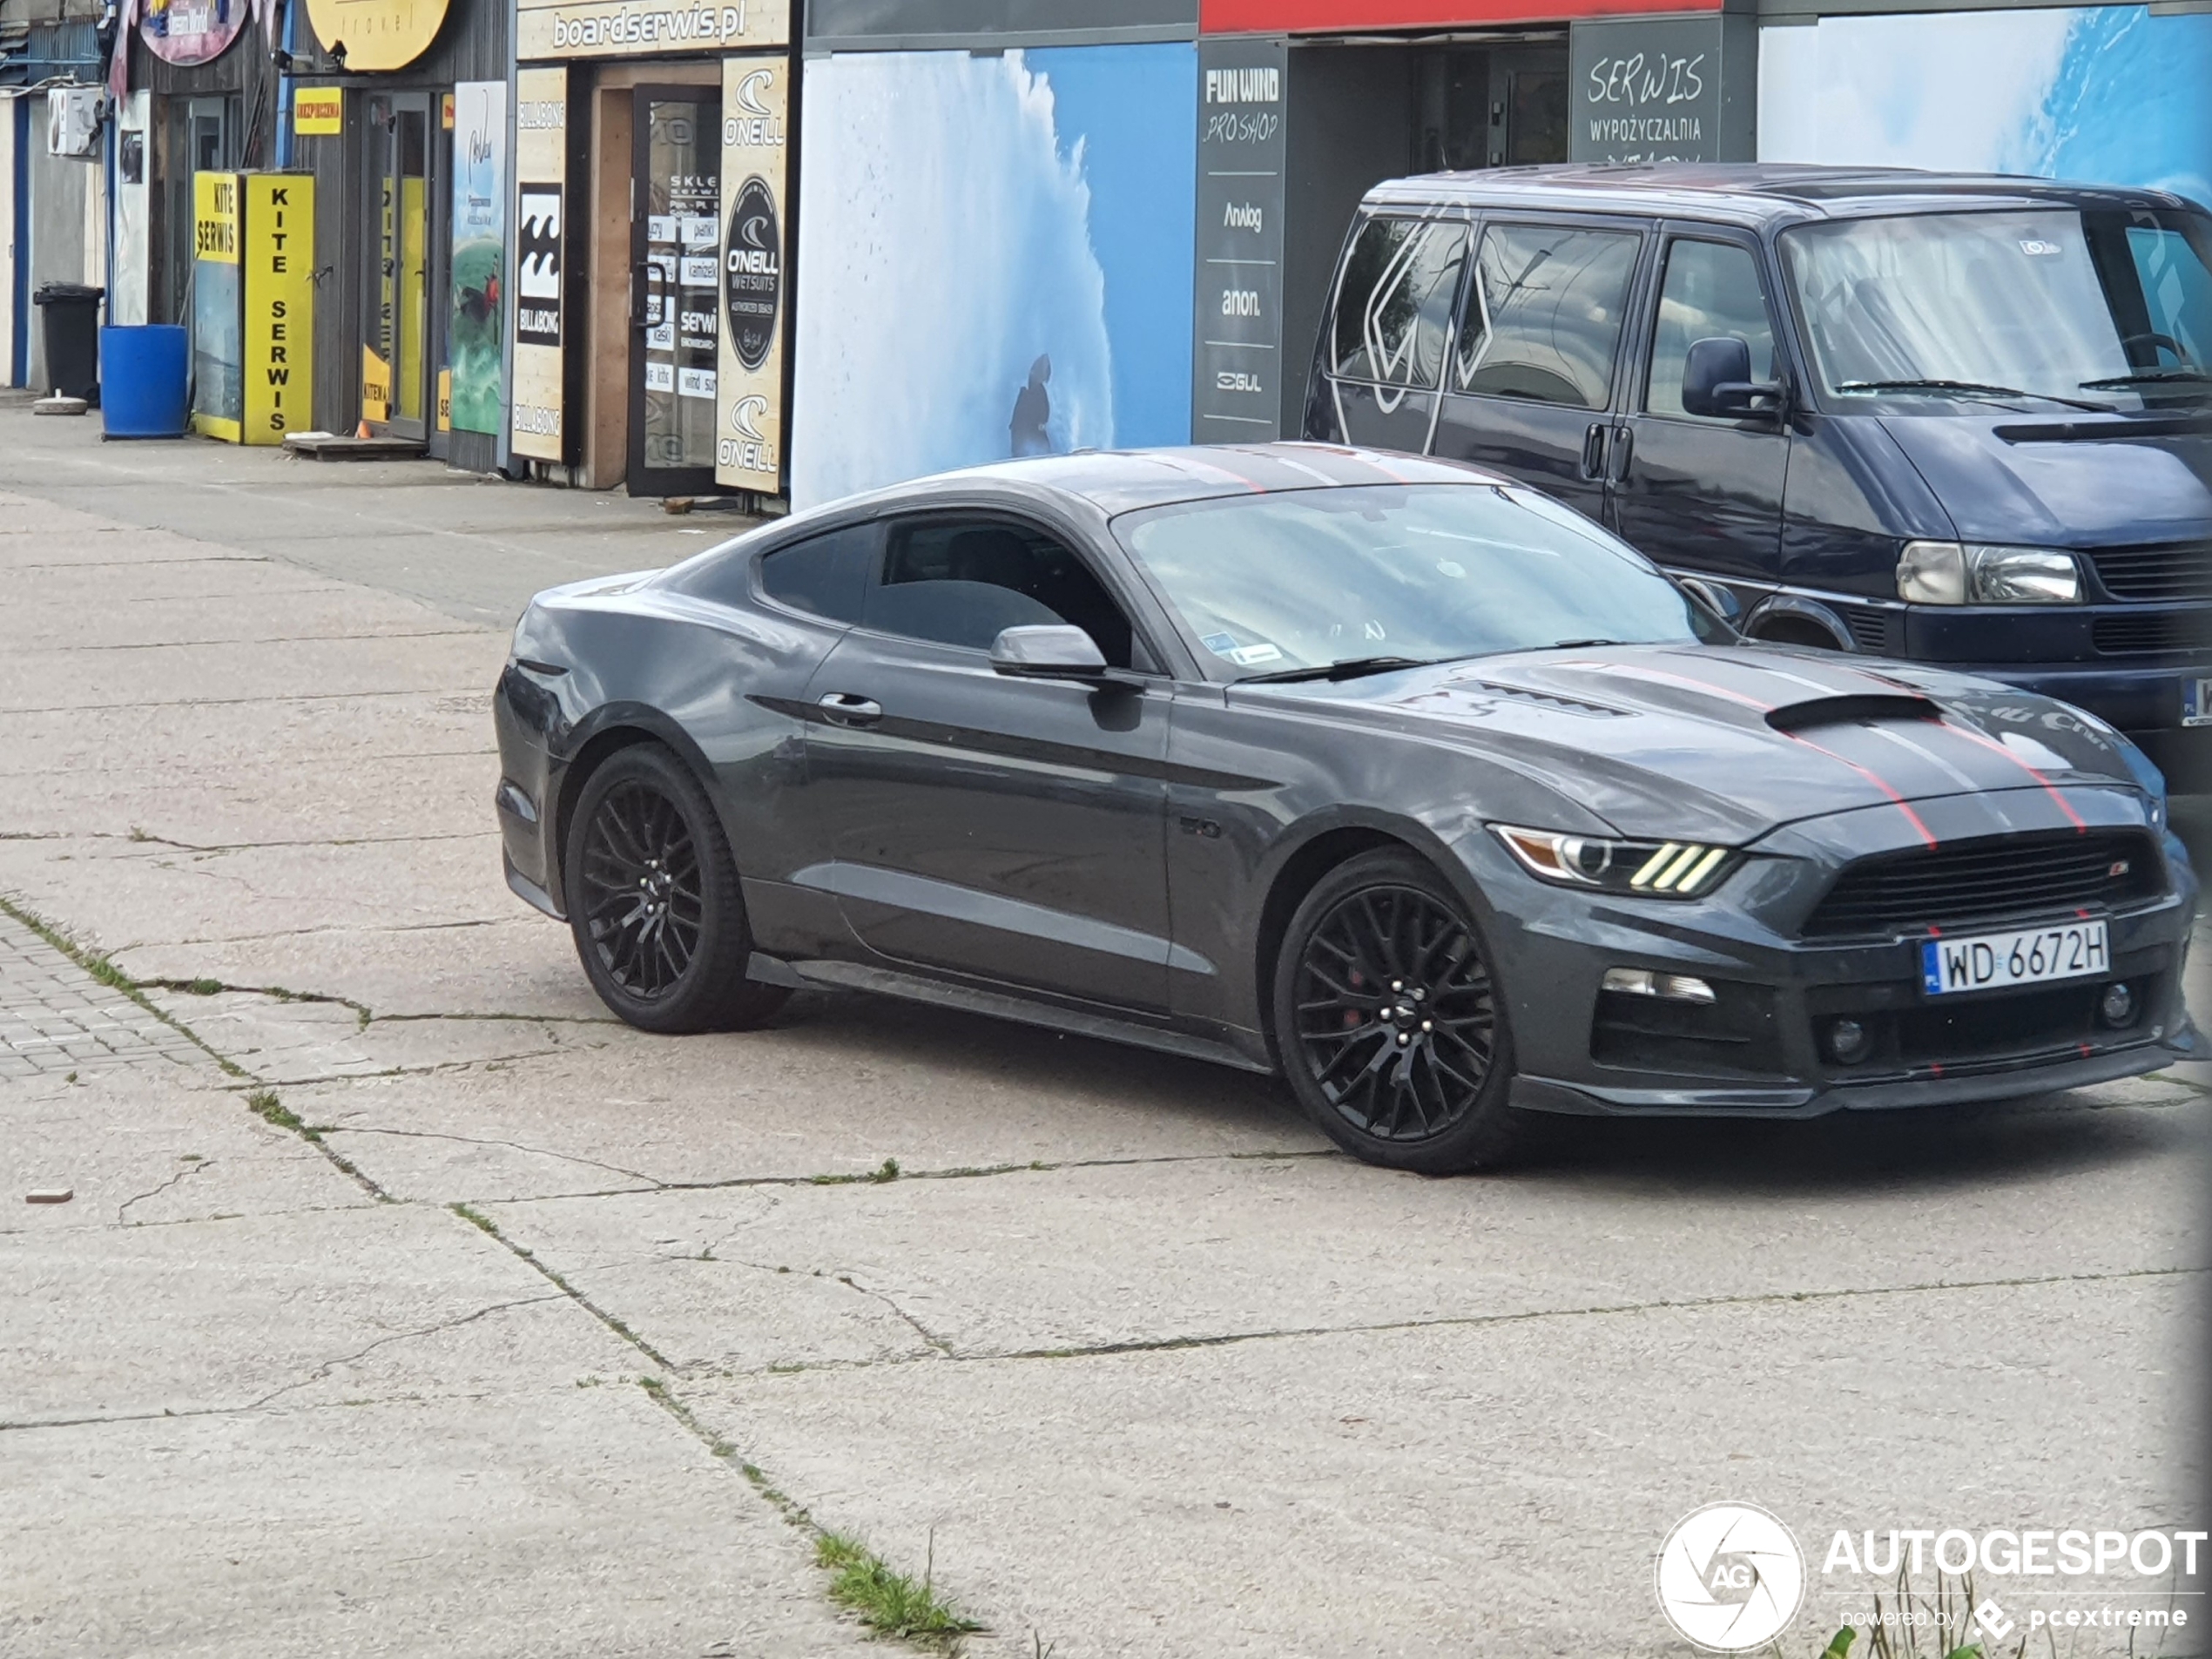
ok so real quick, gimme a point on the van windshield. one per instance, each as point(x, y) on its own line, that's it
point(2107, 308)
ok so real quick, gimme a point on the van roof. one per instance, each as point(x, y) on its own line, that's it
point(1756, 194)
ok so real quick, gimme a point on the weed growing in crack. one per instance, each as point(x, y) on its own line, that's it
point(888, 1602)
point(476, 1218)
point(265, 1105)
point(109, 975)
point(888, 1170)
point(202, 987)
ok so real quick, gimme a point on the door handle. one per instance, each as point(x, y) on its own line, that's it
point(1593, 451)
point(1624, 441)
point(842, 708)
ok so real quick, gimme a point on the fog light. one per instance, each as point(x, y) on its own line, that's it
point(1673, 987)
point(1848, 1041)
point(2117, 1006)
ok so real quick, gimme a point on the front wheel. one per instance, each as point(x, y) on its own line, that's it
point(653, 899)
point(1387, 1020)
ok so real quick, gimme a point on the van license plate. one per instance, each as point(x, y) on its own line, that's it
point(2034, 956)
point(2197, 701)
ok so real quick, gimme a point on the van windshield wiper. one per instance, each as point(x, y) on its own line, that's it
point(1969, 388)
point(2148, 377)
point(1349, 668)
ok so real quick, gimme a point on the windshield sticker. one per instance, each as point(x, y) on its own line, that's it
point(2036, 245)
point(1220, 645)
point(1253, 656)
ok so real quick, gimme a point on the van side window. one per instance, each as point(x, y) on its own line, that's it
point(1711, 291)
point(1394, 308)
point(1543, 315)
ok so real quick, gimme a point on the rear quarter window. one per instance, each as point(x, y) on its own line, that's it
point(826, 576)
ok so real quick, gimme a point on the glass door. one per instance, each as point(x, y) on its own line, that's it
point(396, 318)
point(675, 288)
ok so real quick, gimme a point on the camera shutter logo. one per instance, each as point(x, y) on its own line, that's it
point(1730, 1577)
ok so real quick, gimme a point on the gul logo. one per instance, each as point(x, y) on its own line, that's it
point(752, 273)
point(1730, 1577)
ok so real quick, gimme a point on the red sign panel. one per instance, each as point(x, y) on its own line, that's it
point(1363, 16)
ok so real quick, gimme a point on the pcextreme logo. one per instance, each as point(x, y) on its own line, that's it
point(1730, 1577)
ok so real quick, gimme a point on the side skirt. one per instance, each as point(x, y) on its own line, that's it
point(914, 987)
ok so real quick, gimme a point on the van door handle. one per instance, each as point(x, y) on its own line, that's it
point(1624, 441)
point(1593, 451)
point(842, 708)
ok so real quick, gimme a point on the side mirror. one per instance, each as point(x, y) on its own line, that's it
point(1048, 651)
point(1716, 379)
point(1716, 598)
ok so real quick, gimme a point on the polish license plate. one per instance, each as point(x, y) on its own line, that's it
point(2197, 701)
point(2032, 956)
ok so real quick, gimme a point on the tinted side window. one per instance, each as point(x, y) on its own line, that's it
point(827, 575)
point(1394, 310)
point(1711, 291)
point(960, 582)
point(1543, 313)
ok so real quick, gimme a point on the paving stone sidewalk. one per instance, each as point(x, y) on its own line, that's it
point(54, 1017)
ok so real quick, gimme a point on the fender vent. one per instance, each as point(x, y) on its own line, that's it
point(1851, 710)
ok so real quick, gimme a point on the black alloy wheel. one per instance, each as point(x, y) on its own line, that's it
point(653, 899)
point(1387, 1020)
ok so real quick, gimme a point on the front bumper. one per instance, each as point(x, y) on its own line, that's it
point(1763, 1048)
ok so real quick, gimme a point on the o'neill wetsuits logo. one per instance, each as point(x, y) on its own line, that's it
point(752, 272)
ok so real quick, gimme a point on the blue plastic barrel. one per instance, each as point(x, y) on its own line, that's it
point(142, 379)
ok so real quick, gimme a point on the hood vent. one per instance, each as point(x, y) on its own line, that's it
point(1546, 699)
point(1851, 710)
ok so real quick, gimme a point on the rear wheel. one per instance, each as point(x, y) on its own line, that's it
point(653, 899)
point(1387, 1020)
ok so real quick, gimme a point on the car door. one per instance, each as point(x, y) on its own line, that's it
point(1391, 329)
point(1703, 493)
point(1529, 389)
point(1007, 829)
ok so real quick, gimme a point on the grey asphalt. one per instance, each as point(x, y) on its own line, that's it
point(462, 1343)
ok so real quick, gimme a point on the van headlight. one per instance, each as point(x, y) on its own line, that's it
point(1972, 573)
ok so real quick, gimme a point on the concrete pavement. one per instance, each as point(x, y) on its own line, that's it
point(1124, 1351)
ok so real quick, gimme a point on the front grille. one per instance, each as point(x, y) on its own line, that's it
point(2172, 570)
point(2170, 630)
point(1997, 879)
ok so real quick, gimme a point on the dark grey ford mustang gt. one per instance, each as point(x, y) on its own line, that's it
point(1393, 776)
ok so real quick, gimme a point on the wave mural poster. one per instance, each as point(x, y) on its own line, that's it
point(477, 326)
point(995, 259)
point(2102, 94)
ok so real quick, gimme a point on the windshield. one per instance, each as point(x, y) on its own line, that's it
point(1303, 579)
point(2111, 308)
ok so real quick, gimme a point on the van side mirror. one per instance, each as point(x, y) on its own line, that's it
point(1717, 380)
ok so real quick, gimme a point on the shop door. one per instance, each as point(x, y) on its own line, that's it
point(675, 288)
point(396, 317)
point(1528, 106)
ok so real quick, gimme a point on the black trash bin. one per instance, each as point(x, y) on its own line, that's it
point(71, 322)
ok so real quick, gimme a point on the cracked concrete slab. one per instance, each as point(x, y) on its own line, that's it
point(291, 1044)
point(1491, 1489)
point(290, 742)
point(37, 677)
point(850, 1082)
point(139, 1154)
point(1100, 1256)
point(340, 1300)
point(538, 1517)
point(283, 608)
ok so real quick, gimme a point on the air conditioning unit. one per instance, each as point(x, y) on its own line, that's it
point(73, 120)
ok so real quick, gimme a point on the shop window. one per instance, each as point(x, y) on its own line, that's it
point(959, 583)
point(1394, 308)
point(1542, 319)
point(826, 575)
point(1711, 291)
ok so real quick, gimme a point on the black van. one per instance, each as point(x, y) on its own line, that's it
point(1960, 420)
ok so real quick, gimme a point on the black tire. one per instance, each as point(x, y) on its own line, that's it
point(653, 899)
point(1390, 1024)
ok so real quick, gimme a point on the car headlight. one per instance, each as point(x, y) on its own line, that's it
point(1970, 573)
point(1647, 869)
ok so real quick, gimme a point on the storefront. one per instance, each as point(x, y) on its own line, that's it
point(653, 197)
point(1306, 104)
point(995, 238)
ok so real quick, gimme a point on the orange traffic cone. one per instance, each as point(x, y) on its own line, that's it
point(362, 431)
